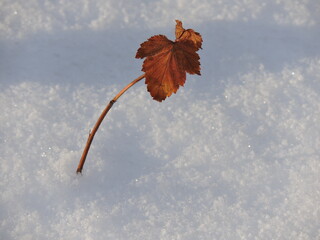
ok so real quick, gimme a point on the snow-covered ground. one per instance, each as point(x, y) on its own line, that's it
point(233, 155)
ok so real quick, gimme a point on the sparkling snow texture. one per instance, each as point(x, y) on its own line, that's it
point(233, 155)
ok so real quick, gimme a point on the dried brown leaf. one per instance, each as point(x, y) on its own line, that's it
point(167, 62)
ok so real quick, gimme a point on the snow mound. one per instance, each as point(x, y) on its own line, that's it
point(233, 155)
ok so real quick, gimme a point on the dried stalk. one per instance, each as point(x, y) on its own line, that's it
point(100, 119)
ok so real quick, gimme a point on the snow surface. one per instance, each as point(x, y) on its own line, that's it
point(233, 155)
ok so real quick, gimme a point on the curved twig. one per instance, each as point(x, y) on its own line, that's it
point(100, 119)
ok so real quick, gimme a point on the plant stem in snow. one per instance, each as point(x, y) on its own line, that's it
point(100, 119)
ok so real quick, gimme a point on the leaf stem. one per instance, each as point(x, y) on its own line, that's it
point(99, 121)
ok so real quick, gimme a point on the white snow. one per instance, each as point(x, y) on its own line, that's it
point(233, 155)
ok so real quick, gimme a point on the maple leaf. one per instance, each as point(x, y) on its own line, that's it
point(165, 68)
point(168, 61)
